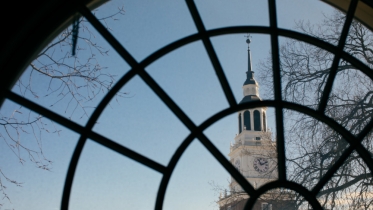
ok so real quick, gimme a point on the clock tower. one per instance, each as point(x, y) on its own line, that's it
point(253, 151)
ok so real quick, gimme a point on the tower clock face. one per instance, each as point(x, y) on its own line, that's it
point(261, 165)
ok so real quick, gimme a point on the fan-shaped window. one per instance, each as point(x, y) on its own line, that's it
point(257, 124)
point(247, 120)
point(343, 131)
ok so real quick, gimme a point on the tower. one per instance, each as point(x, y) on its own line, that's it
point(253, 152)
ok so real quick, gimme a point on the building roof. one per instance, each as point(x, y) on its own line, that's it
point(249, 98)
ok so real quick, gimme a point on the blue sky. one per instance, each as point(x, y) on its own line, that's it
point(107, 180)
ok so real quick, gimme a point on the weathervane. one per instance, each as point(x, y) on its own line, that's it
point(248, 39)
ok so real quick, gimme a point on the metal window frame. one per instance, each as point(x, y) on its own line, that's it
point(137, 68)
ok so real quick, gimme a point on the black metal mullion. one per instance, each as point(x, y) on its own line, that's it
point(337, 56)
point(167, 100)
point(329, 174)
point(267, 103)
point(135, 65)
point(328, 47)
point(83, 138)
point(228, 93)
point(88, 133)
point(180, 150)
point(263, 30)
point(241, 180)
point(193, 128)
point(211, 52)
point(170, 168)
point(287, 185)
point(71, 172)
point(108, 36)
point(277, 89)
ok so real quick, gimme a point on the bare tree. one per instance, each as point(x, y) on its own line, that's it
point(312, 147)
point(70, 81)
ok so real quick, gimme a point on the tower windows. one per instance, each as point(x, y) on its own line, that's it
point(247, 120)
point(257, 126)
point(266, 206)
point(239, 123)
point(264, 122)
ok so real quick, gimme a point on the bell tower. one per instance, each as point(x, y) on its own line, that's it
point(253, 151)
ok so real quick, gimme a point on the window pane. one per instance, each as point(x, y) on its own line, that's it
point(35, 154)
point(240, 13)
point(312, 148)
point(147, 26)
point(73, 86)
point(350, 100)
point(320, 23)
point(348, 188)
point(107, 179)
point(198, 177)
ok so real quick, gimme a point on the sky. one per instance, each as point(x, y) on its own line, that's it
point(140, 120)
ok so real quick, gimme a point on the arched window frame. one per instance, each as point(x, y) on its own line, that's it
point(274, 32)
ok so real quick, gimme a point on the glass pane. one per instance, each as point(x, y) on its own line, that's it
point(196, 181)
point(232, 51)
point(142, 123)
point(72, 86)
point(312, 147)
point(147, 26)
point(368, 143)
point(349, 188)
point(304, 71)
point(34, 156)
point(322, 22)
point(105, 179)
point(187, 75)
point(359, 43)
point(351, 98)
point(217, 14)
